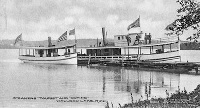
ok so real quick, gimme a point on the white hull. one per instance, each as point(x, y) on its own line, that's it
point(162, 57)
point(65, 59)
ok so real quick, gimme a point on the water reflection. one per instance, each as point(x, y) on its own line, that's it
point(49, 67)
point(115, 84)
point(141, 84)
point(104, 82)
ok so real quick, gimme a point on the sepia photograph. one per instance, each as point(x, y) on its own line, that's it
point(99, 54)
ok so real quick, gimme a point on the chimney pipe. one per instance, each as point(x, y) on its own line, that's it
point(104, 36)
point(49, 42)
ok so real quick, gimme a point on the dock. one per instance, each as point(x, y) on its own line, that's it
point(173, 67)
point(129, 51)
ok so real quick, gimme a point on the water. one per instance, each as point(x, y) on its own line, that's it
point(112, 84)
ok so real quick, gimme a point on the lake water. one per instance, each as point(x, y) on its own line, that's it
point(112, 84)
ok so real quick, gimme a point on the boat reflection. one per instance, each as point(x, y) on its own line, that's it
point(141, 84)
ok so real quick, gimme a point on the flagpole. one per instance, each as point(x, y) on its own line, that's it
point(140, 29)
point(75, 39)
point(128, 43)
point(21, 44)
point(128, 50)
point(140, 26)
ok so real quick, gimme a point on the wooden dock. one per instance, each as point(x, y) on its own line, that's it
point(173, 67)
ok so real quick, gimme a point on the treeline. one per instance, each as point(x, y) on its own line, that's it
point(8, 44)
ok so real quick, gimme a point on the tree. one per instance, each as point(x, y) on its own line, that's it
point(188, 17)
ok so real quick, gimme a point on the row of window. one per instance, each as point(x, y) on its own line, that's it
point(122, 37)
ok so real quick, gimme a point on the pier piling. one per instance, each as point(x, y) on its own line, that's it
point(89, 60)
point(196, 70)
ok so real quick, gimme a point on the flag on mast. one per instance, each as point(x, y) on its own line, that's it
point(171, 26)
point(135, 24)
point(72, 32)
point(62, 37)
point(18, 39)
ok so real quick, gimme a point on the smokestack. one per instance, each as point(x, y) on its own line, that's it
point(104, 36)
point(49, 42)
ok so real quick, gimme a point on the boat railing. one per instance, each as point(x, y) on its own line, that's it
point(119, 57)
point(167, 39)
point(54, 55)
point(162, 52)
point(28, 55)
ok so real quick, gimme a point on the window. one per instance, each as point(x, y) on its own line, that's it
point(119, 38)
point(122, 37)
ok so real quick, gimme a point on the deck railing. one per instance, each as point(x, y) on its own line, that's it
point(120, 57)
point(125, 57)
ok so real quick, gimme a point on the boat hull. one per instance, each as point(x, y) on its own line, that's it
point(65, 59)
point(162, 57)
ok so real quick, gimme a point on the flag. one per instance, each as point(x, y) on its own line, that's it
point(72, 32)
point(171, 26)
point(63, 37)
point(134, 24)
point(18, 39)
point(189, 38)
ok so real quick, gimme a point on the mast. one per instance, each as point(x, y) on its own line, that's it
point(140, 26)
point(97, 42)
point(75, 43)
point(75, 40)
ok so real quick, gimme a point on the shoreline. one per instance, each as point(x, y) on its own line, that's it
point(178, 99)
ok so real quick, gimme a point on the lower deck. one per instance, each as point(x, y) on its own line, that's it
point(54, 55)
point(155, 57)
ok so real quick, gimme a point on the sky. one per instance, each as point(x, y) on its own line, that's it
point(39, 19)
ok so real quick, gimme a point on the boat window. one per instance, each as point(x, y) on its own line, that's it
point(106, 50)
point(41, 52)
point(122, 37)
point(119, 38)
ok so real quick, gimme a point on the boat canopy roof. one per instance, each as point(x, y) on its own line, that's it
point(158, 44)
point(46, 48)
point(136, 46)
